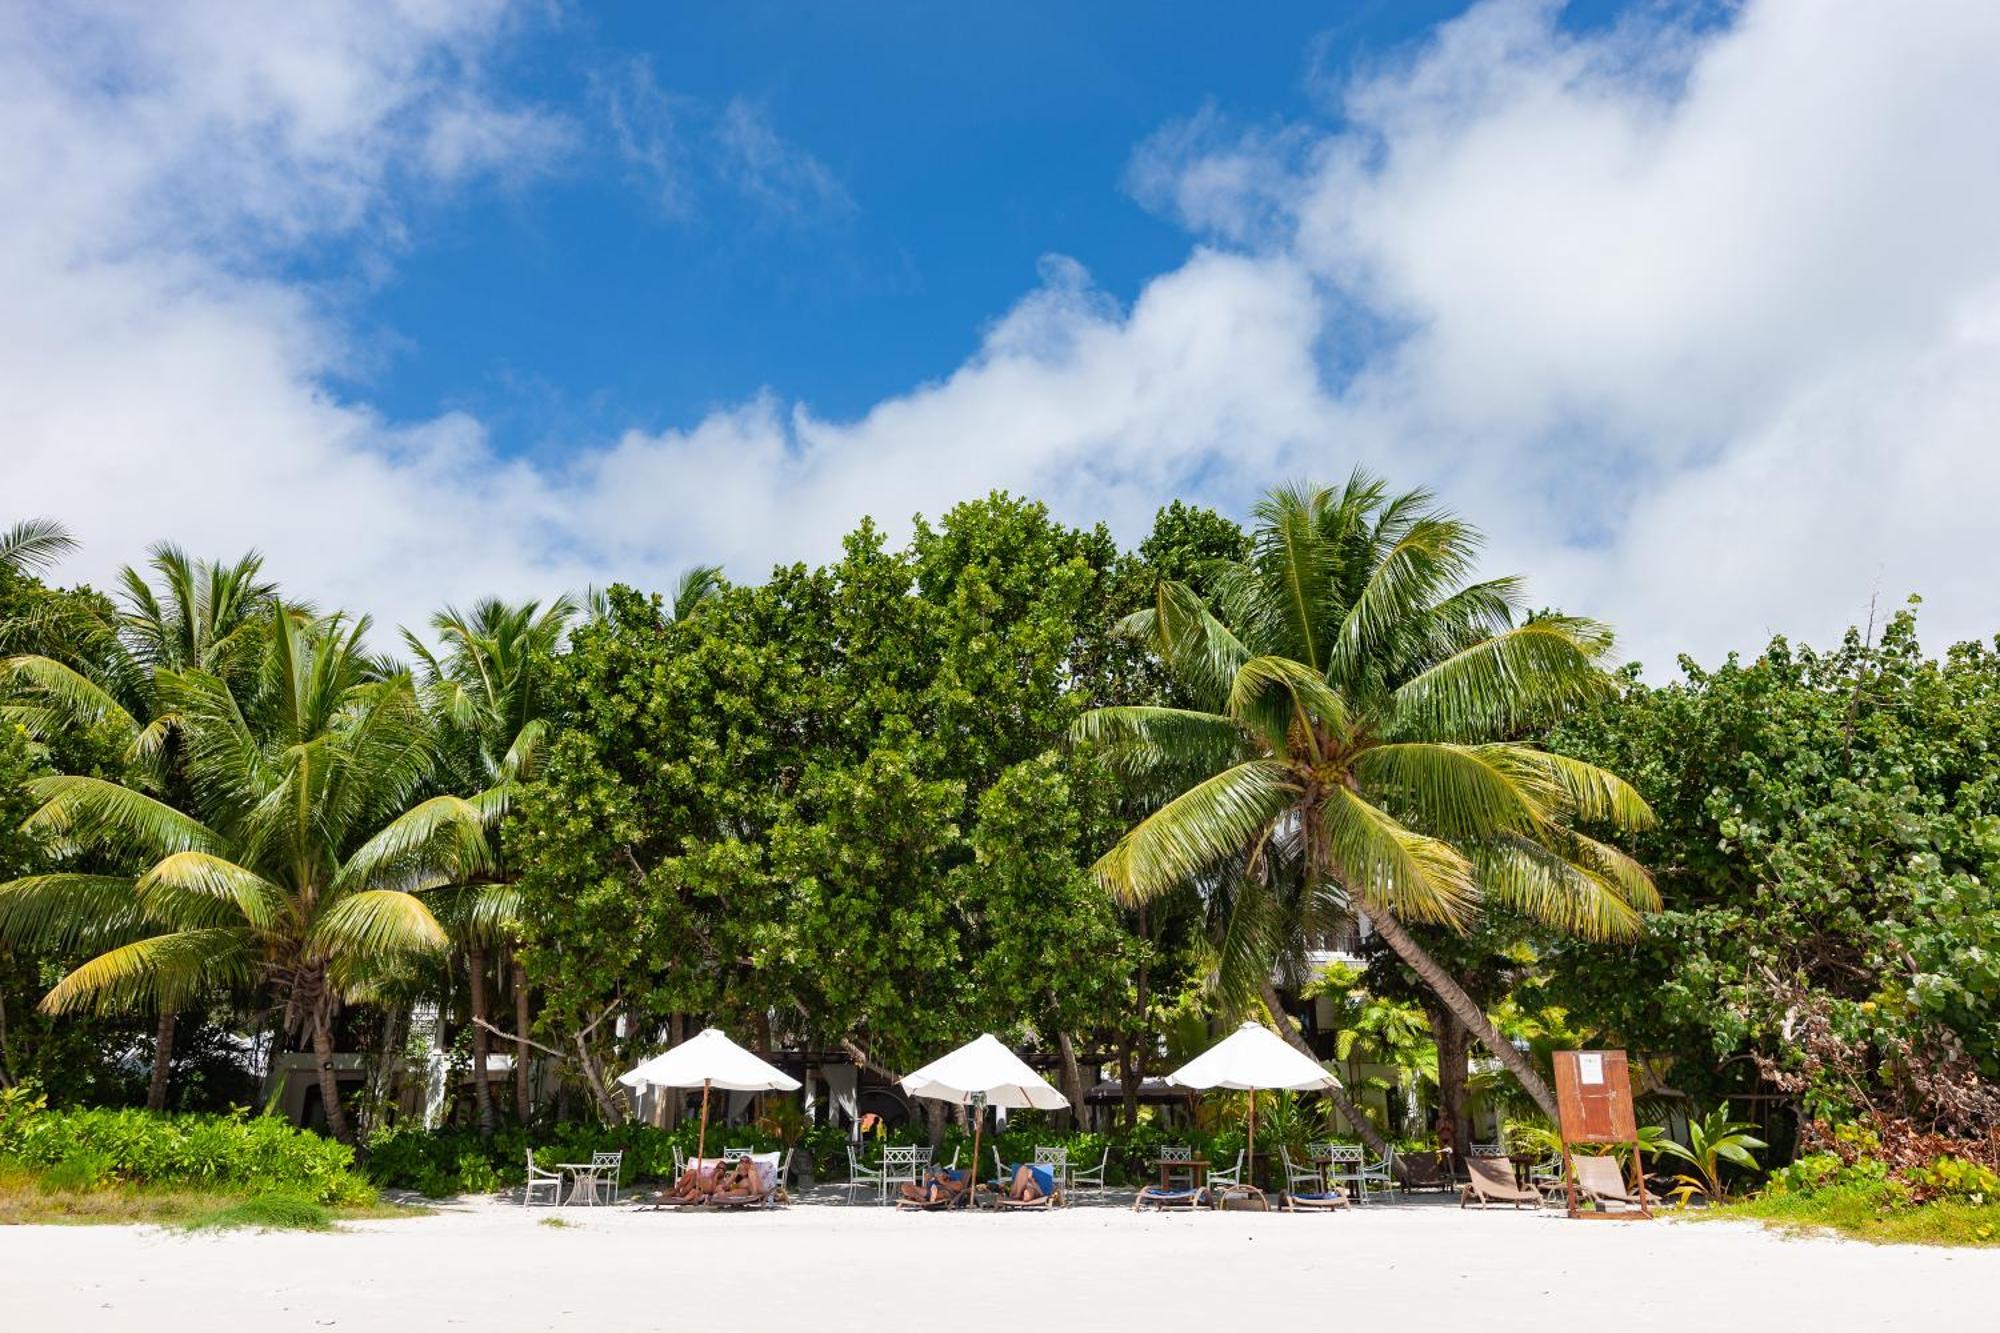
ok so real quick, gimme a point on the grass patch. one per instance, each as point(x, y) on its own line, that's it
point(79, 1197)
point(1871, 1213)
point(267, 1212)
point(556, 1222)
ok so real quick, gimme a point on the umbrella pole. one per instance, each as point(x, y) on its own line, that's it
point(1253, 1137)
point(972, 1185)
point(701, 1135)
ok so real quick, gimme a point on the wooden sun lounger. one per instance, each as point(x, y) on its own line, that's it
point(1239, 1197)
point(1425, 1171)
point(1602, 1179)
point(1491, 1180)
point(1154, 1197)
point(1329, 1202)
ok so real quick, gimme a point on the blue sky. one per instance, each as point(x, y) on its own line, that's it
point(966, 143)
point(1693, 307)
point(967, 146)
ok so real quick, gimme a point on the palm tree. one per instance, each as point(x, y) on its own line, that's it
point(196, 614)
point(1352, 749)
point(487, 693)
point(296, 861)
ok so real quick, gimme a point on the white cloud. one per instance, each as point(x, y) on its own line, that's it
point(772, 170)
point(1703, 326)
point(681, 148)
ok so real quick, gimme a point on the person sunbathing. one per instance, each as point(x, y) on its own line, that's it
point(697, 1182)
point(940, 1184)
point(743, 1181)
point(1030, 1183)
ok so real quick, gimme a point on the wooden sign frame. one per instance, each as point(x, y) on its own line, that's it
point(1594, 1098)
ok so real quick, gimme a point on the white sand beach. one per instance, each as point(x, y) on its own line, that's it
point(828, 1268)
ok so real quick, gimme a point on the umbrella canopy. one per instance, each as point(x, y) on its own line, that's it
point(986, 1068)
point(709, 1059)
point(1250, 1058)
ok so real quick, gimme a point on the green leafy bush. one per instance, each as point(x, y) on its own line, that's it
point(1955, 1178)
point(92, 1147)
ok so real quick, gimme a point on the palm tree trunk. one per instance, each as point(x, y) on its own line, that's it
point(163, 1063)
point(519, 976)
point(1453, 1105)
point(482, 1091)
point(329, 1085)
point(1471, 1015)
point(1364, 1128)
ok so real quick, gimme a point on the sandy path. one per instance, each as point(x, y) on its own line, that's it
point(826, 1268)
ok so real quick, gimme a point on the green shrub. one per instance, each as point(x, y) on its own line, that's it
point(1957, 1179)
point(202, 1151)
point(78, 1175)
point(275, 1210)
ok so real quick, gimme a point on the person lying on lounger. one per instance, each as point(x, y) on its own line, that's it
point(1030, 1183)
point(742, 1181)
point(941, 1184)
point(697, 1182)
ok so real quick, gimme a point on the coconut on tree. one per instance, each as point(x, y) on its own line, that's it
point(1353, 747)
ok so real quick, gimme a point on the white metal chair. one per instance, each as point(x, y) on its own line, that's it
point(541, 1182)
point(734, 1155)
point(1178, 1152)
point(1227, 1178)
point(1379, 1172)
point(1306, 1178)
point(859, 1175)
point(899, 1167)
point(1345, 1164)
point(605, 1170)
point(1091, 1177)
point(1057, 1160)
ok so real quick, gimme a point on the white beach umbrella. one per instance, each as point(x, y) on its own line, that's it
point(979, 1074)
point(1249, 1059)
point(708, 1060)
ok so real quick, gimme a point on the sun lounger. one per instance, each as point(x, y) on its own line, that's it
point(1492, 1181)
point(1602, 1179)
point(1313, 1201)
point(1162, 1199)
point(1426, 1171)
point(1239, 1197)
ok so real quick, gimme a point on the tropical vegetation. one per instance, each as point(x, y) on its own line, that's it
point(1004, 775)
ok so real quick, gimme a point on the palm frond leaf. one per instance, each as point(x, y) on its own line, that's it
point(171, 971)
point(1378, 860)
point(35, 544)
point(202, 889)
point(62, 912)
point(1504, 684)
point(376, 922)
point(1535, 881)
point(93, 813)
point(1197, 830)
point(441, 840)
